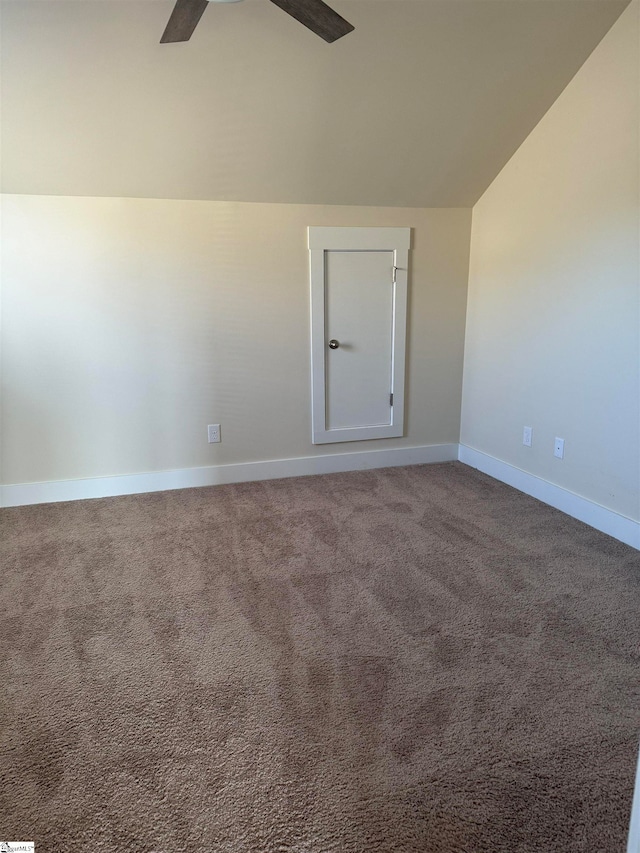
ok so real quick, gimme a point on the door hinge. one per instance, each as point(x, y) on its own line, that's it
point(391, 399)
point(395, 270)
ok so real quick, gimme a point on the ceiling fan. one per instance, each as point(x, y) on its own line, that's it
point(314, 14)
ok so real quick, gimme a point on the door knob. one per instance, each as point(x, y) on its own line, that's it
point(334, 344)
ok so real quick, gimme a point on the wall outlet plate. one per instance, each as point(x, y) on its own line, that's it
point(213, 433)
point(558, 448)
point(527, 436)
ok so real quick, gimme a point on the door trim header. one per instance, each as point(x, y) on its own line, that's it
point(359, 239)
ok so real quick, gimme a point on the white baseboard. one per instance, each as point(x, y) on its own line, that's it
point(606, 520)
point(625, 529)
point(101, 487)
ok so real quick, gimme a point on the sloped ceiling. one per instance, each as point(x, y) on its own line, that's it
point(421, 106)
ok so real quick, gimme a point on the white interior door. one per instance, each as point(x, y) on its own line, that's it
point(359, 322)
point(358, 330)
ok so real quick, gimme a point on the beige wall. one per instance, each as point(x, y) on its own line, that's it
point(552, 338)
point(128, 325)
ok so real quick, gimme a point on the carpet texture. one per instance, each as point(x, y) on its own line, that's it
point(410, 660)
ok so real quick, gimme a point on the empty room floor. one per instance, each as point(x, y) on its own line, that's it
point(393, 661)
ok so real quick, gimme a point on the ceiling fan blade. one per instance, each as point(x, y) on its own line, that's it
point(183, 20)
point(317, 16)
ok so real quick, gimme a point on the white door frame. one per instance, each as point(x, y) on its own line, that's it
point(322, 240)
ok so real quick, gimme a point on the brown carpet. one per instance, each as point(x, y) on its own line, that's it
point(412, 659)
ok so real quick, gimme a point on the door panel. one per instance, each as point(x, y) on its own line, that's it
point(359, 299)
point(359, 315)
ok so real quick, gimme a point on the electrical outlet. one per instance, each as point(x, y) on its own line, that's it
point(558, 448)
point(527, 435)
point(213, 433)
